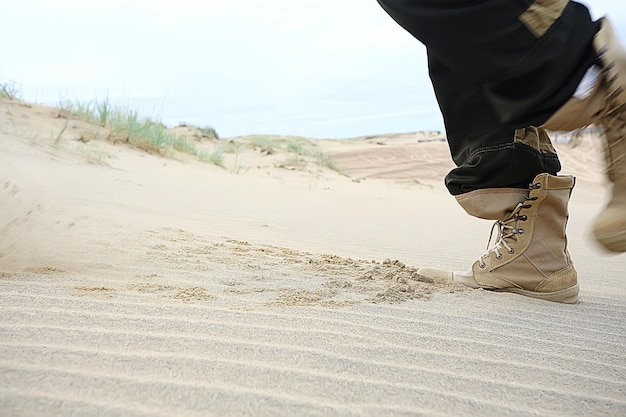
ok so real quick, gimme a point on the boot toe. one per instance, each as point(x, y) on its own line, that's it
point(609, 230)
point(436, 275)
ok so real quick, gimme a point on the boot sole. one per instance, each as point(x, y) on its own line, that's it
point(566, 296)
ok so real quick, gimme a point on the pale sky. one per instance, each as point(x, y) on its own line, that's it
point(317, 68)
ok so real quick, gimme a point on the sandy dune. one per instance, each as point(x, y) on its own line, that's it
point(140, 285)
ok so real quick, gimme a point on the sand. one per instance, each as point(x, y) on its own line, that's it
point(135, 284)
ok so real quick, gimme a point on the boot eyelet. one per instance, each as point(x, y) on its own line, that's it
point(498, 257)
point(482, 266)
point(520, 231)
point(524, 218)
point(538, 185)
point(512, 251)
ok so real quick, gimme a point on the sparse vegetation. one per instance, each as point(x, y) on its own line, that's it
point(59, 136)
point(209, 131)
point(230, 146)
point(216, 157)
point(144, 133)
point(326, 161)
point(95, 155)
point(103, 111)
point(292, 144)
point(117, 124)
point(10, 91)
point(80, 110)
point(263, 143)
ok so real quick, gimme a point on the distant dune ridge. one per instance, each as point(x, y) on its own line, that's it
point(273, 275)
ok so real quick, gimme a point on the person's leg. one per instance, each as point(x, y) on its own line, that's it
point(530, 256)
point(498, 66)
point(488, 153)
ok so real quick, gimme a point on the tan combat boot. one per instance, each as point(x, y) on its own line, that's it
point(530, 256)
point(610, 226)
point(605, 106)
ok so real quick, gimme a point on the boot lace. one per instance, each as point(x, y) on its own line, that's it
point(508, 229)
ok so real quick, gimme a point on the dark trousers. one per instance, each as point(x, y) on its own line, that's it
point(497, 66)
